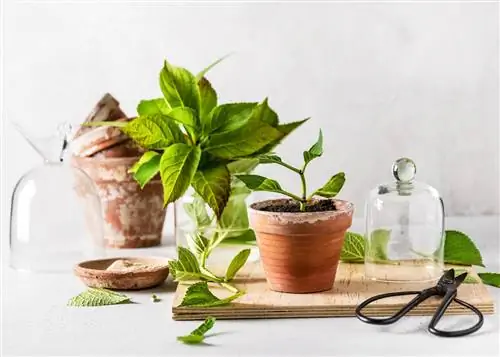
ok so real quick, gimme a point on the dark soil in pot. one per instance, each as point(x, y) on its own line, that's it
point(292, 206)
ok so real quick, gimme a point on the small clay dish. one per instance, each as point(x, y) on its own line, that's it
point(123, 273)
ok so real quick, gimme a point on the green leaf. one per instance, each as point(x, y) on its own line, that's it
point(198, 295)
point(228, 117)
point(332, 187)
point(202, 73)
point(153, 106)
point(235, 215)
point(179, 87)
point(243, 141)
point(492, 279)
point(264, 113)
point(177, 168)
point(260, 183)
point(377, 245)
point(237, 263)
point(186, 267)
point(353, 250)
point(460, 249)
point(198, 335)
point(285, 129)
point(315, 151)
point(154, 131)
point(269, 159)
point(208, 99)
point(214, 186)
point(146, 167)
point(242, 166)
point(197, 211)
point(184, 116)
point(155, 298)
point(245, 238)
point(98, 297)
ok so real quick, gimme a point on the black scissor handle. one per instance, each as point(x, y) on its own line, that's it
point(457, 333)
point(421, 296)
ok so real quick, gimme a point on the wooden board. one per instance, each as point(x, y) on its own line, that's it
point(350, 289)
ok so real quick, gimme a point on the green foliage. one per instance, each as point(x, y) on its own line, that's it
point(200, 141)
point(460, 249)
point(98, 297)
point(353, 250)
point(261, 183)
point(199, 295)
point(237, 263)
point(198, 335)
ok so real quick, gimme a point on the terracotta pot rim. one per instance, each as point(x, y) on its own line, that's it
point(130, 159)
point(347, 207)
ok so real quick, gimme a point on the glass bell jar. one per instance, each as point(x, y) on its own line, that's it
point(55, 218)
point(404, 229)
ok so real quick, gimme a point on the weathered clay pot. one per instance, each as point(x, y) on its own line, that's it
point(133, 217)
point(300, 251)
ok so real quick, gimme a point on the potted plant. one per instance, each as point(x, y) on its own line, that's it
point(299, 238)
point(192, 142)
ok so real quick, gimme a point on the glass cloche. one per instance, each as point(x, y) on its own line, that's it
point(404, 229)
point(56, 218)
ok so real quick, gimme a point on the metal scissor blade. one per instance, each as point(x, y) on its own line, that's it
point(460, 279)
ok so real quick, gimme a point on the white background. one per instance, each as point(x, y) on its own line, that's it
point(382, 80)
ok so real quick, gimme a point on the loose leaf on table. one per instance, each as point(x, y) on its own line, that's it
point(260, 183)
point(243, 141)
point(332, 187)
point(214, 186)
point(179, 87)
point(186, 266)
point(146, 167)
point(177, 168)
point(377, 246)
point(153, 106)
point(154, 131)
point(197, 211)
point(353, 250)
point(315, 151)
point(492, 279)
point(460, 249)
point(237, 263)
point(98, 297)
point(198, 295)
point(198, 335)
point(227, 117)
point(208, 99)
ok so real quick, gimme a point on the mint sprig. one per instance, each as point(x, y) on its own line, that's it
point(98, 297)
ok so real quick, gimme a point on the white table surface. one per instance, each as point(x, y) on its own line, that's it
point(36, 322)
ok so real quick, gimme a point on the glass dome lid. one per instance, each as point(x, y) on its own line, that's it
point(404, 228)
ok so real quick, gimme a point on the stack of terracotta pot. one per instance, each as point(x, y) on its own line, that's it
point(133, 217)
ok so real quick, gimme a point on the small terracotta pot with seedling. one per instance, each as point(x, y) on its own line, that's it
point(299, 238)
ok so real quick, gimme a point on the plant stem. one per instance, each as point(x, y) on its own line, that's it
point(291, 195)
point(290, 167)
point(304, 186)
point(229, 287)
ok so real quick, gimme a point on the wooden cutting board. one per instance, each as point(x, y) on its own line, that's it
point(350, 289)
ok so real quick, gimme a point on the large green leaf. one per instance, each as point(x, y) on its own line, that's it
point(235, 216)
point(153, 106)
point(228, 117)
point(242, 166)
point(492, 279)
point(146, 167)
point(353, 250)
point(184, 116)
point(260, 183)
point(285, 129)
point(153, 131)
point(332, 187)
point(243, 141)
point(214, 186)
point(197, 211)
point(186, 266)
point(177, 168)
point(314, 151)
point(200, 296)
point(460, 249)
point(208, 99)
point(264, 113)
point(179, 87)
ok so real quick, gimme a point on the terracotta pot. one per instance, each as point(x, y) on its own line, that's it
point(133, 217)
point(300, 251)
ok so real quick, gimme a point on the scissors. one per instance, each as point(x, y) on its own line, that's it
point(446, 287)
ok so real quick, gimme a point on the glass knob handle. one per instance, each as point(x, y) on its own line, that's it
point(404, 170)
